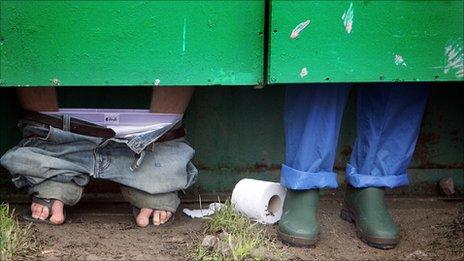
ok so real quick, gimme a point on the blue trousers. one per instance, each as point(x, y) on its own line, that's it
point(388, 123)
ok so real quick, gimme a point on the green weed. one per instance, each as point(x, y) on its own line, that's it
point(15, 240)
point(241, 234)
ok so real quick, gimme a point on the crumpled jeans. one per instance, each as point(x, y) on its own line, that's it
point(53, 163)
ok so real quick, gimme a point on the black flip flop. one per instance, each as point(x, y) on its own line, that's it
point(27, 216)
point(136, 211)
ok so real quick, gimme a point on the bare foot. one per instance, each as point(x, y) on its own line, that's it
point(42, 212)
point(159, 217)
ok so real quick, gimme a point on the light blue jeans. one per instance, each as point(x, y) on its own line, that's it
point(53, 163)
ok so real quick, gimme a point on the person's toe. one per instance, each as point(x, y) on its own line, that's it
point(143, 218)
point(35, 210)
point(57, 212)
point(157, 217)
point(45, 213)
point(163, 217)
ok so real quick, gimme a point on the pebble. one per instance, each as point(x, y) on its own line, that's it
point(209, 241)
point(418, 255)
point(447, 186)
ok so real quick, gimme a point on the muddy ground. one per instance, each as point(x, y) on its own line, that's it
point(107, 231)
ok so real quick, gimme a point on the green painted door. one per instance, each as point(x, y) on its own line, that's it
point(133, 43)
point(366, 41)
point(71, 43)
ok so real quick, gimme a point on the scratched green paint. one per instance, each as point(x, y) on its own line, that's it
point(418, 31)
point(131, 42)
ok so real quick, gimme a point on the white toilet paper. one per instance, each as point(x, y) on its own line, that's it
point(259, 200)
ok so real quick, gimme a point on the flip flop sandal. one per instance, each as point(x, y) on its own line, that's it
point(27, 216)
point(136, 211)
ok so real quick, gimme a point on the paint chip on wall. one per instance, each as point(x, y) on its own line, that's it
point(300, 27)
point(55, 82)
point(347, 18)
point(184, 32)
point(399, 60)
point(454, 58)
point(304, 72)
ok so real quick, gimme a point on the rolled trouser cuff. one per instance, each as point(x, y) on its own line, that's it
point(140, 199)
point(363, 181)
point(68, 193)
point(300, 180)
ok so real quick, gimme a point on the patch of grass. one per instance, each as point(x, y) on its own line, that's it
point(15, 241)
point(207, 255)
point(240, 234)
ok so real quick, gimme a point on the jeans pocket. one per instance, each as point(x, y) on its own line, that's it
point(34, 134)
point(48, 136)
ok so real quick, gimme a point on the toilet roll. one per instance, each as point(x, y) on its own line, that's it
point(259, 200)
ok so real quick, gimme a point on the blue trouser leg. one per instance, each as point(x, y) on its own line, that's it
point(389, 119)
point(313, 115)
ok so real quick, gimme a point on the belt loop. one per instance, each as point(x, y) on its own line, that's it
point(66, 122)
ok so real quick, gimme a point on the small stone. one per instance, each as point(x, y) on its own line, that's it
point(209, 241)
point(447, 186)
point(418, 255)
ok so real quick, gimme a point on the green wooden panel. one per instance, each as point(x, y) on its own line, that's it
point(45, 43)
point(366, 41)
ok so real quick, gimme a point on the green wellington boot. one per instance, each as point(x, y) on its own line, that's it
point(298, 225)
point(366, 208)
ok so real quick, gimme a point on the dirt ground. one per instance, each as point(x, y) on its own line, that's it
point(107, 231)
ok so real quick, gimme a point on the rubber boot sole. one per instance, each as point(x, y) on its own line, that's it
point(381, 243)
point(297, 241)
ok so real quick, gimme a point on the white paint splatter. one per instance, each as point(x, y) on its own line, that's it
point(460, 73)
point(55, 82)
point(157, 82)
point(399, 60)
point(454, 58)
point(296, 31)
point(184, 32)
point(304, 72)
point(348, 17)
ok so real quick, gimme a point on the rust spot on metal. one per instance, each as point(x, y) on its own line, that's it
point(257, 167)
point(264, 167)
point(426, 138)
point(202, 166)
point(425, 149)
point(457, 165)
